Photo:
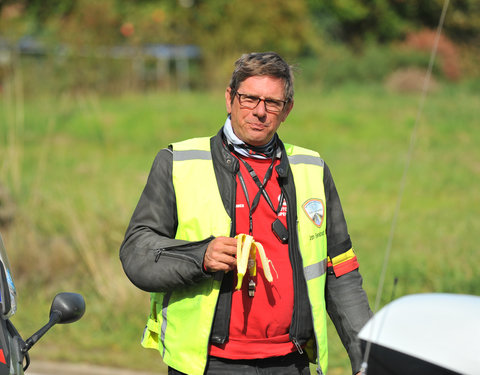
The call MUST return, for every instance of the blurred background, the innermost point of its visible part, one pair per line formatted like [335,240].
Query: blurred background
[91,90]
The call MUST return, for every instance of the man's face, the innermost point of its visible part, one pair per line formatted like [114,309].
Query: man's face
[256,126]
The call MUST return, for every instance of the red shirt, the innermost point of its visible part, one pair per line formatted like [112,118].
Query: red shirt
[259,325]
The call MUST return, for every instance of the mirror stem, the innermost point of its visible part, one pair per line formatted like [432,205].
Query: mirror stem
[54,319]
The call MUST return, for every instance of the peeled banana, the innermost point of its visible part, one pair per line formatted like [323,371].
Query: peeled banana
[246,258]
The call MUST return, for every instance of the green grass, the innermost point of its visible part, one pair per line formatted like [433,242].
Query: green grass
[76,165]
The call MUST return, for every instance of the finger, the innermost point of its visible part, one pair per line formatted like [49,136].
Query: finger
[221,257]
[227,241]
[214,265]
[227,259]
[225,245]
[217,258]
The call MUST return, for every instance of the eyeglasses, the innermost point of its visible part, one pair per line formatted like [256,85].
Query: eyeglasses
[251,102]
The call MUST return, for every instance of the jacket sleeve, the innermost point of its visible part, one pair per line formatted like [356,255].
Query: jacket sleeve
[347,303]
[151,256]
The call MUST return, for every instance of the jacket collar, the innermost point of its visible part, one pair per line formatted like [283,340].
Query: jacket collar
[283,167]
[222,154]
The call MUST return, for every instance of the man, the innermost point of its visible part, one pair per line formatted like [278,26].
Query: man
[181,246]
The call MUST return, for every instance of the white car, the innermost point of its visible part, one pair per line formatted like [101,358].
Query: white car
[424,334]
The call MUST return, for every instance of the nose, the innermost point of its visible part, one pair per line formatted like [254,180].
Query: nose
[260,110]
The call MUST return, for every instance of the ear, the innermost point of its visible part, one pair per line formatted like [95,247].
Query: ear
[286,110]
[228,99]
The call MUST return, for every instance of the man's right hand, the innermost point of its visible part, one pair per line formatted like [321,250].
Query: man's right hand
[220,254]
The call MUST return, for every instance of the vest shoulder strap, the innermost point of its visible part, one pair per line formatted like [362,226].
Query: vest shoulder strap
[201,143]
[301,155]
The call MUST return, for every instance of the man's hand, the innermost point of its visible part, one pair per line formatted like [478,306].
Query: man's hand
[220,254]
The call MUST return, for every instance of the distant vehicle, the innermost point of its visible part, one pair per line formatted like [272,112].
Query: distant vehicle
[14,357]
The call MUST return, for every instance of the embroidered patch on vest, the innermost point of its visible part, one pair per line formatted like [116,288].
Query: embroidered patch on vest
[315,210]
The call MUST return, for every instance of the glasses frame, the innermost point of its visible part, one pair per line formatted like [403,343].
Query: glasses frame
[240,95]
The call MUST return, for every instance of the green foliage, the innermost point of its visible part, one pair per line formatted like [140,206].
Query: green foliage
[91,23]
[222,29]
[462,22]
[345,35]
[172,21]
[337,64]
[355,21]
[226,29]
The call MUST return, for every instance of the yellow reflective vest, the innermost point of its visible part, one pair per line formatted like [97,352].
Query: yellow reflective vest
[180,321]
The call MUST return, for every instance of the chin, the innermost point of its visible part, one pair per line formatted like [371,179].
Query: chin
[258,139]
[257,142]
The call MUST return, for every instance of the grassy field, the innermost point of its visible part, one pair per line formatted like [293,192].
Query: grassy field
[75,166]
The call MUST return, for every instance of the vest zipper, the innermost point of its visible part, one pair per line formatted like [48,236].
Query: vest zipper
[291,218]
[296,269]
[221,335]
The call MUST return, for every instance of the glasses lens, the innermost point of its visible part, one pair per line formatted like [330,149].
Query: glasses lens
[274,105]
[247,101]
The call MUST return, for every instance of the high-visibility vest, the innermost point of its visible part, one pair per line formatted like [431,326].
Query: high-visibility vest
[181,320]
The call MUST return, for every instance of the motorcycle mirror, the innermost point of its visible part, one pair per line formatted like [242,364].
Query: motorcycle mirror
[66,308]
[69,307]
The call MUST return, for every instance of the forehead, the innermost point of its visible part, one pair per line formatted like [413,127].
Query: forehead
[266,86]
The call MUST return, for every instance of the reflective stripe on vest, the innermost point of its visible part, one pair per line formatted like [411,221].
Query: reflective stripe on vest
[180,321]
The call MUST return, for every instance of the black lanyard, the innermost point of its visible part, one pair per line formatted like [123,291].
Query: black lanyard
[261,191]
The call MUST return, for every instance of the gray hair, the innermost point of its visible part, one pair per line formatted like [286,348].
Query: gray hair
[263,64]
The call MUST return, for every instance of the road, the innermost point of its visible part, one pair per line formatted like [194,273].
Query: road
[53,368]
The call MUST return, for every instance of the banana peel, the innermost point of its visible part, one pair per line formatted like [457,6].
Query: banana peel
[265,261]
[246,258]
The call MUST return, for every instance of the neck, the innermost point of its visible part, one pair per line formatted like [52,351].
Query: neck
[267,150]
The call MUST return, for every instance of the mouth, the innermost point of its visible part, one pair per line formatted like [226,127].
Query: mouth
[258,126]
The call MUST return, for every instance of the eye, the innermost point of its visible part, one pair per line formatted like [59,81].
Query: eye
[274,103]
[250,99]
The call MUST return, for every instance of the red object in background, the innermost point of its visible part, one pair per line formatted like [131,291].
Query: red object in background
[127,29]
